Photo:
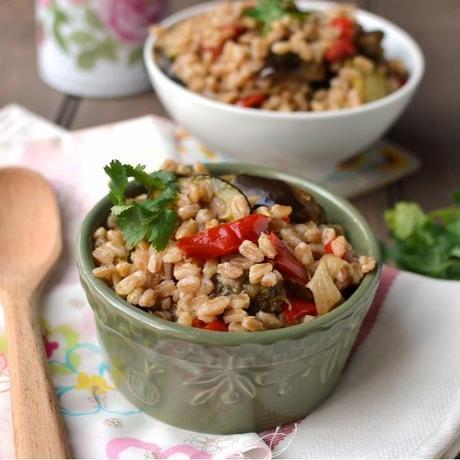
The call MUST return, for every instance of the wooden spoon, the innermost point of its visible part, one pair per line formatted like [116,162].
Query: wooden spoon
[30,244]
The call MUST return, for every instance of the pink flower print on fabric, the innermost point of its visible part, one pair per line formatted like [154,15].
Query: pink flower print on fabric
[50,347]
[117,446]
[128,20]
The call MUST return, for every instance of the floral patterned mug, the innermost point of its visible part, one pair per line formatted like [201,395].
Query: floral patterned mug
[93,48]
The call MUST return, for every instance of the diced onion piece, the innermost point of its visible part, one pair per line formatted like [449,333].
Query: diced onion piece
[325,292]
[334,264]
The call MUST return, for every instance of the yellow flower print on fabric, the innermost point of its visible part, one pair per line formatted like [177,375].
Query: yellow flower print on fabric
[95,384]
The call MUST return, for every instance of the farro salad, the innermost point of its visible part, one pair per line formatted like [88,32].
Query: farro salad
[233,253]
[270,55]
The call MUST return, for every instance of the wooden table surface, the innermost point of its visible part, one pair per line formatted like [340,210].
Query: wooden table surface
[430,127]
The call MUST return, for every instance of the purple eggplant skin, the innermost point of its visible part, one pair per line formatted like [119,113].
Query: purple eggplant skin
[273,191]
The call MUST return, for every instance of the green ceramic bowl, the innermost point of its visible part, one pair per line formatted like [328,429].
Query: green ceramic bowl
[219,382]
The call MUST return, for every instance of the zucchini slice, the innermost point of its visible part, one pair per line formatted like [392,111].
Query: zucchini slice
[224,194]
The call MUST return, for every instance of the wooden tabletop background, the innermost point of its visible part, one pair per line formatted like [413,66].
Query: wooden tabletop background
[430,127]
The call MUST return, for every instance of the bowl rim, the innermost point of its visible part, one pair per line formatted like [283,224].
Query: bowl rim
[368,284]
[413,81]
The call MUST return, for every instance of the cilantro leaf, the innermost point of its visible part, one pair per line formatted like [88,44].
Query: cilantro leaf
[157,180]
[457,197]
[119,209]
[118,181]
[426,243]
[404,219]
[161,228]
[268,11]
[130,224]
[151,218]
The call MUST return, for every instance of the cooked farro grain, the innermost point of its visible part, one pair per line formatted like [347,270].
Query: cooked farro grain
[100,234]
[250,250]
[184,269]
[148,298]
[250,323]
[188,211]
[244,289]
[103,272]
[257,271]
[131,282]
[229,270]
[213,307]
[104,255]
[304,254]
[166,288]
[236,326]
[135,296]
[189,284]
[280,212]
[266,246]
[172,255]
[185,318]
[268,279]
[269,320]
[155,262]
[124,268]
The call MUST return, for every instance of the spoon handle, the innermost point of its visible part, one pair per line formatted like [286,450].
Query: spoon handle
[38,427]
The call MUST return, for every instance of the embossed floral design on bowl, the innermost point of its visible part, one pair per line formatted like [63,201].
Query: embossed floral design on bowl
[229,382]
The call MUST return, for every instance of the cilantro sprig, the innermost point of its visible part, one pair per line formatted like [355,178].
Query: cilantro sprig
[426,243]
[268,11]
[151,219]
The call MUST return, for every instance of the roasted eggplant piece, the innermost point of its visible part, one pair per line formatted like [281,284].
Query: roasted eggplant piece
[267,299]
[297,291]
[268,192]
[288,66]
[370,44]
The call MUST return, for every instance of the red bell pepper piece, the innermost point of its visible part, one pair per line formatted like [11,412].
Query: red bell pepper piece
[340,50]
[344,47]
[223,239]
[216,325]
[198,323]
[346,27]
[328,248]
[255,100]
[286,262]
[297,310]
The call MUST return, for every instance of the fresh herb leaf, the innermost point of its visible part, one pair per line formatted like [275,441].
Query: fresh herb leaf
[156,180]
[457,197]
[130,224]
[404,219]
[426,243]
[118,181]
[162,226]
[268,11]
[151,218]
[119,209]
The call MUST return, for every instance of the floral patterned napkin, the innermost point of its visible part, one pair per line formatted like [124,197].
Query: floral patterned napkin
[102,424]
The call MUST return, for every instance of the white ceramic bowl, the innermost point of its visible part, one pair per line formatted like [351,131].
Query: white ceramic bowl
[309,142]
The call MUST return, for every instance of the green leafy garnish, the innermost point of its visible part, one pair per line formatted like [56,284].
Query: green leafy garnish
[426,243]
[150,219]
[268,11]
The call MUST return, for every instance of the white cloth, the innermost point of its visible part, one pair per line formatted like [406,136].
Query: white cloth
[400,396]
